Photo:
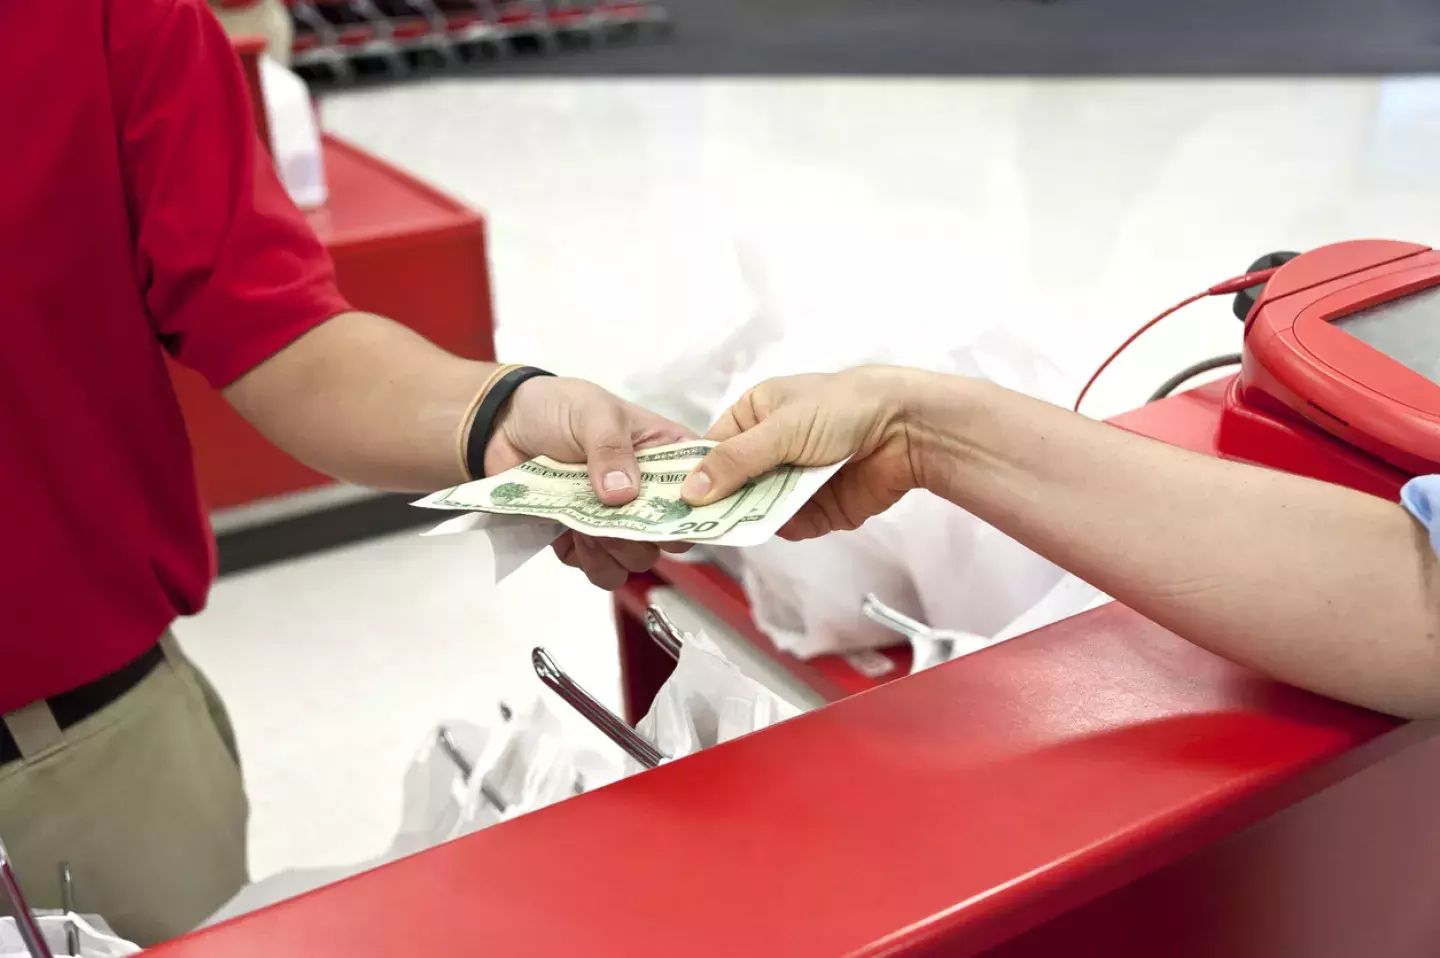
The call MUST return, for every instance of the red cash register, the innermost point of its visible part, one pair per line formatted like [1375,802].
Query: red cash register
[1344,341]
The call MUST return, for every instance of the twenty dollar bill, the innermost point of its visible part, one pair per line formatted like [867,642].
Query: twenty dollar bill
[561,492]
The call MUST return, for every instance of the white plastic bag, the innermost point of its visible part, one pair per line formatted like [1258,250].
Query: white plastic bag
[706,701]
[502,544]
[929,647]
[690,385]
[927,557]
[94,943]
[1070,596]
[690,617]
[806,595]
[933,646]
[439,802]
[969,576]
[669,314]
[436,808]
[535,765]
[515,767]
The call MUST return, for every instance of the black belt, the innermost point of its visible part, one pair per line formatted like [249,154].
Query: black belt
[77,704]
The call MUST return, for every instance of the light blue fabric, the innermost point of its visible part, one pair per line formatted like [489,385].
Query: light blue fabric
[1421,496]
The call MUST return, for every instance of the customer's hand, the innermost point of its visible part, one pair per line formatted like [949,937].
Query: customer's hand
[571,420]
[817,420]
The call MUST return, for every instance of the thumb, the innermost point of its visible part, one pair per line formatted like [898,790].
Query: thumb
[604,435]
[736,461]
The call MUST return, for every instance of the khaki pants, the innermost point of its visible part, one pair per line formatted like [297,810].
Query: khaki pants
[263,18]
[143,799]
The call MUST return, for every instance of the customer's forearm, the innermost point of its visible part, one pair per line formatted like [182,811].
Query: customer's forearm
[1316,584]
[387,414]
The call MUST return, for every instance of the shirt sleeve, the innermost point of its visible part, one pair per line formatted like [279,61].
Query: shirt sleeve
[230,271]
[1421,498]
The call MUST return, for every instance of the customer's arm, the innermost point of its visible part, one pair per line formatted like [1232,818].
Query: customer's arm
[1319,585]
[1314,583]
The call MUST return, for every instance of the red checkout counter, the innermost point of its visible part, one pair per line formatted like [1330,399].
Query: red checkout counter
[1100,787]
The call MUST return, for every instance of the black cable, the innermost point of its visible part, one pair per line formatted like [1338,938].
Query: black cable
[1191,371]
[1245,299]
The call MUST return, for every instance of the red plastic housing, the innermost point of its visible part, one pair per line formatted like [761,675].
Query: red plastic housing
[1300,369]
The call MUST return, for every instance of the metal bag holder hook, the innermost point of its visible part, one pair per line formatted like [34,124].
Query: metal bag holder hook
[67,902]
[25,921]
[893,619]
[913,629]
[659,627]
[595,713]
[446,741]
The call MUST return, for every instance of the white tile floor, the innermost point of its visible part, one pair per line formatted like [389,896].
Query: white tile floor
[620,213]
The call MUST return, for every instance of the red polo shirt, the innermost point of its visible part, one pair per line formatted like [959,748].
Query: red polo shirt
[139,215]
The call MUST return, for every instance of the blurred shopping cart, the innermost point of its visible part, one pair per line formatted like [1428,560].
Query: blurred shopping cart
[340,40]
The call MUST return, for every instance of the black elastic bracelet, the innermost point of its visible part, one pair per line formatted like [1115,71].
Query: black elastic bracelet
[482,426]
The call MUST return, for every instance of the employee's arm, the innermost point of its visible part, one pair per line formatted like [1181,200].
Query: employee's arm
[363,398]
[240,289]
[1315,584]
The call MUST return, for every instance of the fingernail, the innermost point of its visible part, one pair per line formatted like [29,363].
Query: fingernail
[696,486]
[616,481]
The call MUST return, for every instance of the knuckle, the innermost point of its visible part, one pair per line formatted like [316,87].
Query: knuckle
[607,575]
[725,464]
[722,456]
[641,558]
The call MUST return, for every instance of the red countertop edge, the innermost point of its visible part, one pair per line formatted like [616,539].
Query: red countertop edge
[991,919]
[968,926]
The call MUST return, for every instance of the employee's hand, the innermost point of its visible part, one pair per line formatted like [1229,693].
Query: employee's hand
[572,420]
[817,420]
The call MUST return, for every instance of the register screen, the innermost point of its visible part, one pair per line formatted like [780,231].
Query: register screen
[1405,329]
